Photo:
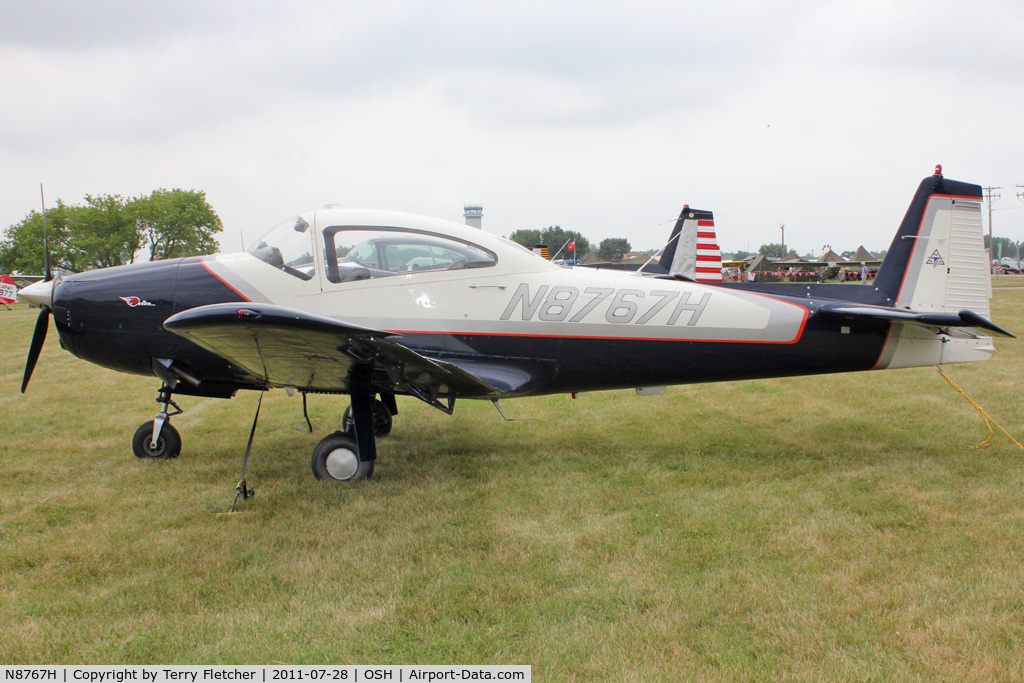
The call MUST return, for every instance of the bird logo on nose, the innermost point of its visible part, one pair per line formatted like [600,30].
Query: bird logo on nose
[134,301]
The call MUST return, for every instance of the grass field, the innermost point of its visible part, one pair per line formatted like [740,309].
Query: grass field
[837,528]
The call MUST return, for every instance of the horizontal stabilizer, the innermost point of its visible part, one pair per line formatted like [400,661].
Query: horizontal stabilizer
[880,313]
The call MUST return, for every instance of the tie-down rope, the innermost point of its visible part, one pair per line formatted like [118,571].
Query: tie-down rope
[985,416]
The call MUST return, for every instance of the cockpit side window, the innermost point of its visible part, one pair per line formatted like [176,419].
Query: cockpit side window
[361,253]
[289,248]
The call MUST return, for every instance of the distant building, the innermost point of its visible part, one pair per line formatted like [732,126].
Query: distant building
[474,214]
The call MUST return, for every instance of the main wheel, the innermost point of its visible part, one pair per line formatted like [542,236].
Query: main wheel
[336,458]
[382,420]
[167,446]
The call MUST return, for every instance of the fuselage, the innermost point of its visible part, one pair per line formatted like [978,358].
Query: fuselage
[456,293]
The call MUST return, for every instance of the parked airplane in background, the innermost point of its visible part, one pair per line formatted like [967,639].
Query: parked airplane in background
[8,290]
[691,251]
[376,304]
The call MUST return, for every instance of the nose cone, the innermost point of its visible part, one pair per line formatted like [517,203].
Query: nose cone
[38,293]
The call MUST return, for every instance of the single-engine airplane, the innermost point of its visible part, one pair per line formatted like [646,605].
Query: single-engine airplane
[376,304]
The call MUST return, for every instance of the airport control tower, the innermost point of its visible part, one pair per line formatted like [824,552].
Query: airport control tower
[474,214]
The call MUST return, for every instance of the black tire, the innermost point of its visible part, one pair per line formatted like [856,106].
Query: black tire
[167,446]
[336,458]
[382,420]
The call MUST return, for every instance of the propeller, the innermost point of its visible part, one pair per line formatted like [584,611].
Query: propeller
[38,337]
[40,294]
[36,294]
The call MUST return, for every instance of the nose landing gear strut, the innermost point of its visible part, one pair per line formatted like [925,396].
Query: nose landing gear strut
[157,438]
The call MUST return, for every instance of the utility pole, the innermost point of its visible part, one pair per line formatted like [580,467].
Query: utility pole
[990,196]
[782,227]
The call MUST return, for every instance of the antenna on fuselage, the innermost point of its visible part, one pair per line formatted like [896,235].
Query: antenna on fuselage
[675,236]
[46,242]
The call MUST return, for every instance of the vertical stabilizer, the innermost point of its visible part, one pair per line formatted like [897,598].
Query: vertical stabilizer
[693,248]
[937,261]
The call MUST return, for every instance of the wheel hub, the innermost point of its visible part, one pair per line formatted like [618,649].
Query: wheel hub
[155,452]
[342,463]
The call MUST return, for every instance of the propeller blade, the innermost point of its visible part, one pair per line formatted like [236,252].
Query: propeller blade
[38,337]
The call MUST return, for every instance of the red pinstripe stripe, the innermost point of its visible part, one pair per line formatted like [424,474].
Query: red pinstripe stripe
[226,284]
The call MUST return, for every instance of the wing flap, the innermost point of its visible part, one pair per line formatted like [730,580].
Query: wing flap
[286,347]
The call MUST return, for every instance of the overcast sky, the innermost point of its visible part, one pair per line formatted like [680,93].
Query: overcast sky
[602,117]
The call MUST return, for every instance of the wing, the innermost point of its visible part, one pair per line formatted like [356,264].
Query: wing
[846,311]
[286,347]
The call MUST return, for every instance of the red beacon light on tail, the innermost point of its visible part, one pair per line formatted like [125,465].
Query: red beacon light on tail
[938,169]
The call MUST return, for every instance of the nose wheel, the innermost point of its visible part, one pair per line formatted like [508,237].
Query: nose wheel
[157,439]
[168,443]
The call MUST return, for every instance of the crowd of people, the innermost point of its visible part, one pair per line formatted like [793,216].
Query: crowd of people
[862,274]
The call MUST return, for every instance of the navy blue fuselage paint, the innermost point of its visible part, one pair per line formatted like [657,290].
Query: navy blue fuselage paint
[114,317]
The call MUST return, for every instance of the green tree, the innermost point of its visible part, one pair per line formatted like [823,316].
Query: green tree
[736,255]
[527,237]
[774,250]
[613,248]
[22,247]
[111,231]
[555,238]
[104,233]
[174,223]
[1004,246]
[559,239]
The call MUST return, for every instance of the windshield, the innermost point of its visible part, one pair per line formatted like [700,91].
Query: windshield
[288,247]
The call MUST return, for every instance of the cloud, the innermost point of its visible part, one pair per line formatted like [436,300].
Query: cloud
[603,118]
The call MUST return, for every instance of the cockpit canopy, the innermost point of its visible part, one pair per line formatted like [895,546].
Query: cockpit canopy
[353,252]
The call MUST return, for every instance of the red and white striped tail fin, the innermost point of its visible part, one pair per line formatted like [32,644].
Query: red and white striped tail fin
[709,256]
[693,249]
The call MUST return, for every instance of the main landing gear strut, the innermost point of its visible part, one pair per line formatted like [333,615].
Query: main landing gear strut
[349,455]
[346,456]
[157,438]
